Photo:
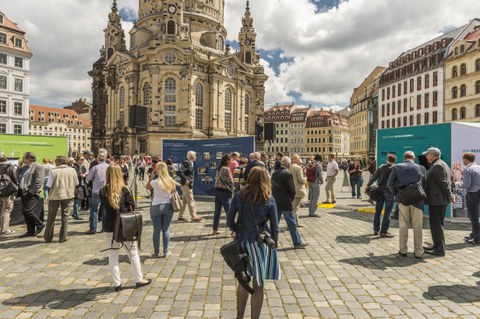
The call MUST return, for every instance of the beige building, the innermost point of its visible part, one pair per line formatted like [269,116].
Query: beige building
[462,79]
[279,115]
[82,107]
[180,68]
[296,130]
[52,121]
[363,116]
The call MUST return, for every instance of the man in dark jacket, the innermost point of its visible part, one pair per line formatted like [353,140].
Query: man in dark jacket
[253,163]
[7,201]
[381,176]
[403,175]
[439,194]
[283,190]
[187,175]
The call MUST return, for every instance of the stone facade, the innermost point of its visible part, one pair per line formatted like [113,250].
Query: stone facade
[179,67]
[280,116]
[14,78]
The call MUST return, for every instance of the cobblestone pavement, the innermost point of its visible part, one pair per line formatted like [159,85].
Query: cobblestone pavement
[346,272]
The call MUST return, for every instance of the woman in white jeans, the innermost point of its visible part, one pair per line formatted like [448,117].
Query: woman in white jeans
[161,211]
[116,197]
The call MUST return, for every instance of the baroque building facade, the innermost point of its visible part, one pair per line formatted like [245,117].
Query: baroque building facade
[180,68]
[279,115]
[14,78]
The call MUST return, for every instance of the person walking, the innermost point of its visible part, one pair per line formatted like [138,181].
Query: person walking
[299,182]
[380,177]
[9,177]
[141,168]
[62,181]
[161,211]
[403,175]
[187,176]
[283,190]
[471,183]
[255,206]
[239,175]
[96,175]
[31,181]
[356,179]
[80,190]
[439,193]
[116,198]
[332,172]
[223,191]
[315,179]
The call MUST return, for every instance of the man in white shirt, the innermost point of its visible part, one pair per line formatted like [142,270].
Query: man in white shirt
[332,171]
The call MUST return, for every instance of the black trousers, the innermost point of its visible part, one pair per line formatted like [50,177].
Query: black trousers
[473,207]
[436,215]
[32,209]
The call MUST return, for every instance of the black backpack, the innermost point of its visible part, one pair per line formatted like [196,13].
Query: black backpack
[7,187]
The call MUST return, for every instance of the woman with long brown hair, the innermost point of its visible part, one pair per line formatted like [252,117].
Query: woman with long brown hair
[116,198]
[255,207]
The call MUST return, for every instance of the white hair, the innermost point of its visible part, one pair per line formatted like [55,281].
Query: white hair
[191,154]
[257,155]
[285,161]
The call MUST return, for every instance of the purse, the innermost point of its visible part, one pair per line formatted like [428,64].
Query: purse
[412,194]
[127,227]
[375,193]
[177,203]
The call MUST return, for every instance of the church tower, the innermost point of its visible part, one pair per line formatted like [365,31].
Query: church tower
[246,38]
[114,35]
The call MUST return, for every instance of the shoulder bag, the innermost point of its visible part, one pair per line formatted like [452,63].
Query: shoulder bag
[128,226]
[177,203]
[375,193]
[412,194]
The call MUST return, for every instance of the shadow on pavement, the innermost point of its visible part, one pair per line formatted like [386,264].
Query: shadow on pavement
[194,238]
[382,262]
[58,299]
[18,243]
[360,239]
[455,293]
[104,261]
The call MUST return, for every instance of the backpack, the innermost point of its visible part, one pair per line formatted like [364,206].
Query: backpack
[311,173]
[7,187]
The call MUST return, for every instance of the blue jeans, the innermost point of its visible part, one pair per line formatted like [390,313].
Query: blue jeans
[356,183]
[76,207]
[161,216]
[94,203]
[222,199]
[388,201]
[292,226]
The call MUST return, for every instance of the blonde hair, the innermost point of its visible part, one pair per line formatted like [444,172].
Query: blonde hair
[165,181]
[115,184]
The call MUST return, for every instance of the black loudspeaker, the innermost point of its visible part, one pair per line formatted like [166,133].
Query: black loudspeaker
[137,116]
[270,132]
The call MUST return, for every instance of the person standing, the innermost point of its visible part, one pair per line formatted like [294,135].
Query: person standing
[141,168]
[116,198]
[315,179]
[299,182]
[9,173]
[471,183]
[31,179]
[255,161]
[125,171]
[255,207]
[403,175]
[355,171]
[233,163]
[187,176]
[62,181]
[223,191]
[161,211]
[278,161]
[283,190]
[439,193]
[80,190]
[96,175]
[239,175]
[332,172]
[381,176]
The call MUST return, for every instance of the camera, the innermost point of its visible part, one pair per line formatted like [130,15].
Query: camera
[245,277]
[265,238]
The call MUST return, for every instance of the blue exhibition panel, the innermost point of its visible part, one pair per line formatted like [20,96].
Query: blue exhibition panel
[209,152]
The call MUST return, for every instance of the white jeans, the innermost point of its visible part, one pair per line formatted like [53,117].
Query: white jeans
[132,252]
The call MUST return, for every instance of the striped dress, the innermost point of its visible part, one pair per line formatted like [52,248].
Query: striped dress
[262,262]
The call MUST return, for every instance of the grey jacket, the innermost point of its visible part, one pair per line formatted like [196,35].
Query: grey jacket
[33,179]
[438,184]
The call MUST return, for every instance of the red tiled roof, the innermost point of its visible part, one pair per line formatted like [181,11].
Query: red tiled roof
[13,31]
[49,113]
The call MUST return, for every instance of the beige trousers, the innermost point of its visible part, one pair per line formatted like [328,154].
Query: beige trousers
[187,200]
[7,207]
[296,205]
[414,216]
[329,188]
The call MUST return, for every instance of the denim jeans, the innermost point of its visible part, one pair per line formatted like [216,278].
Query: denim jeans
[161,216]
[292,226]
[94,203]
[222,199]
[76,207]
[314,194]
[356,183]
[388,201]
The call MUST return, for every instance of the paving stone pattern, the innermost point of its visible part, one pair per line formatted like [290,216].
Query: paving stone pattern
[346,272]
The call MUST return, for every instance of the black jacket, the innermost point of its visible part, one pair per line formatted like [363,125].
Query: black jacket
[381,176]
[438,184]
[126,204]
[251,165]
[185,172]
[283,189]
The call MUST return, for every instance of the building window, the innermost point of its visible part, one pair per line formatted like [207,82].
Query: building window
[17,129]
[3,128]
[3,38]
[122,98]
[463,69]
[220,43]
[170,57]
[388,93]
[405,105]
[3,82]
[18,43]
[146,94]
[393,108]
[3,58]
[18,85]
[463,113]
[427,81]
[435,98]
[18,62]
[199,119]
[399,105]
[477,87]
[412,82]
[383,110]
[399,89]
[419,83]
[170,117]
[383,94]
[477,63]
[405,88]
[454,72]
[247,112]
[248,57]
[393,91]
[17,108]
[463,90]
[427,118]
[419,119]
[228,110]
[388,109]
[405,121]
[411,120]
[170,27]
[3,107]
[170,90]
[462,48]
[427,100]
[454,92]
[454,115]
[199,95]
[419,102]
[434,117]
[477,110]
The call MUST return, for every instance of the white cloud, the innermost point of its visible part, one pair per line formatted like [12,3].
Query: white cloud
[332,52]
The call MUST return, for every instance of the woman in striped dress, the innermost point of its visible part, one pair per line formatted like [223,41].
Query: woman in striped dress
[255,207]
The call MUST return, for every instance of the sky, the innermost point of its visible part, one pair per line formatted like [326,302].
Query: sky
[314,51]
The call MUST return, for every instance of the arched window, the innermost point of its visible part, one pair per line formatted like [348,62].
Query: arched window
[228,110]
[454,114]
[454,72]
[170,27]
[477,64]
[477,110]
[247,112]
[463,69]
[463,113]
[146,94]
[122,98]
[199,95]
[454,92]
[477,87]
[456,51]
[199,106]
[220,43]
[170,90]
[463,90]
[248,57]
[109,53]
[462,48]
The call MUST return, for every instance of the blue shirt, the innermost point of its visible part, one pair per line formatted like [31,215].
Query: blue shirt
[471,178]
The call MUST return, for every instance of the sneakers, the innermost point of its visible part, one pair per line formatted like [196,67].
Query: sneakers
[303,245]
[8,232]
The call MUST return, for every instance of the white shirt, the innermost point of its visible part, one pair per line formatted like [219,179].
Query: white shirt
[332,168]
[159,195]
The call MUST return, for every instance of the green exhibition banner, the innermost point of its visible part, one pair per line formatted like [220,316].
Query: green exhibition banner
[14,146]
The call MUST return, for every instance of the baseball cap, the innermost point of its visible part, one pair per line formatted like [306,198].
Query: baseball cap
[87,152]
[433,150]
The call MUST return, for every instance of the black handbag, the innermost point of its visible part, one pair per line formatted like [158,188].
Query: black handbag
[375,193]
[127,226]
[412,194]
